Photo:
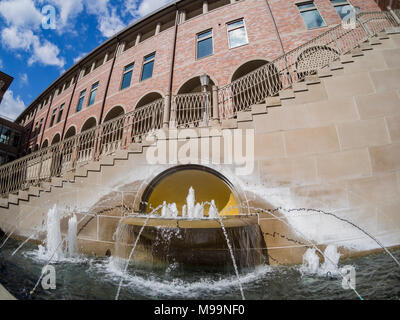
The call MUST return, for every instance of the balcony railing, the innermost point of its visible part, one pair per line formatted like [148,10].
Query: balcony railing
[193,109]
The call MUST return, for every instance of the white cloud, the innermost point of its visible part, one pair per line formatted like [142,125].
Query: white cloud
[145,7]
[78,58]
[24,78]
[21,13]
[16,38]
[46,54]
[110,23]
[11,107]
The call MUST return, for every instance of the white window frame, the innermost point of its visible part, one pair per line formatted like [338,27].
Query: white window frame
[199,40]
[235,28]
[300,3]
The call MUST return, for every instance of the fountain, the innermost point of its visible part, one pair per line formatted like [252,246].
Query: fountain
[194,236]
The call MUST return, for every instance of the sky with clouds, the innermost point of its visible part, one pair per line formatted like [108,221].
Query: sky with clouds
[36,55]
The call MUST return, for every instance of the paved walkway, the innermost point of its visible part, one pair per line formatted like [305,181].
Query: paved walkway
[5,295]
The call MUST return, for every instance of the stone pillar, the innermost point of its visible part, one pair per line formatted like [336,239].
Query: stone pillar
[173,122]
[205,6]
[158,28]
[93,66]
[167,110]
[233,1]
[215,115]
[106,58]
[138,37]
[183,16]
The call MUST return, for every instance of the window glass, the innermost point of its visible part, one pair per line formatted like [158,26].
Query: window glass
[80,102]
[204,44]
[53,116]
[237,34]
[148,66]
[60,113]
[311,16]
[127,77]
[93,93]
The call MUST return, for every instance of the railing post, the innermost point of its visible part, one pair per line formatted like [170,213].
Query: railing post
[167,108]
[173,122]
[97,144]
[215,113]
[394,15]
[40,169]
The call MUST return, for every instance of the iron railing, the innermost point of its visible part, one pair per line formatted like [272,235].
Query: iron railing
[192,109]
[295,65]
[58,159]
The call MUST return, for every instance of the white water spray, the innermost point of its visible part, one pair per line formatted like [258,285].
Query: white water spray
[72,235]
[53,239]
[311,263]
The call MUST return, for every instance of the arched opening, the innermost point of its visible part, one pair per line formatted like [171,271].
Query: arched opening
[56,139]
[251,83]
[148,115]
[313,59]
[112,130]
[68,149]
[86,140]
[45,144]
[172,186]
[193,105]
[36,148]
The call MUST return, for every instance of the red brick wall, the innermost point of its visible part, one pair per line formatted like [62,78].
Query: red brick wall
[263,44]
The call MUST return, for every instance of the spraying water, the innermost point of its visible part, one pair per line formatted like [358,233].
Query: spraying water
[72,235]
[53,238]
[310,262]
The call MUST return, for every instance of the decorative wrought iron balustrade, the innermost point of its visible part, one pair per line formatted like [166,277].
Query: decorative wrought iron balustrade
[192,109]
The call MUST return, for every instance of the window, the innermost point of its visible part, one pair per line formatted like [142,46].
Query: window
[204,44]
[342,7]
[127,77]
[80,102]
[93,93]
[40,125]
[53,117]
[311,16]
[148,66]
[237,34]
[60,113]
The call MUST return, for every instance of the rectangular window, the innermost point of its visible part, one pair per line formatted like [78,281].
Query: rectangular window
[93,93]
[80,102]
[237,34]
[205,44]
[40,125]
[60,112]
[310,14]
[127,77]
[53,117]
[342,7]
[148,66]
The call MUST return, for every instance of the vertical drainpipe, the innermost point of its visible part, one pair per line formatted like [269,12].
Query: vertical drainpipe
[70,102]
[278,36]
[45,121]
[108,81]
[168,98]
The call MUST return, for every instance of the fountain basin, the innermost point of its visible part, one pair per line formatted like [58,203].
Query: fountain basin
[192,242]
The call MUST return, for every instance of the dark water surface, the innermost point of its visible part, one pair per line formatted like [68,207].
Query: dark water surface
[378,277]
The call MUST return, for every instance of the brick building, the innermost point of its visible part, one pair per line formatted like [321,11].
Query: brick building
[164,53]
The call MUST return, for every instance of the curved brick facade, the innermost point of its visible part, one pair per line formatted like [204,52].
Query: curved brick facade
[172,68]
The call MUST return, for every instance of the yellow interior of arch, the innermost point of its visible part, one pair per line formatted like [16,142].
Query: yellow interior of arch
[175,187]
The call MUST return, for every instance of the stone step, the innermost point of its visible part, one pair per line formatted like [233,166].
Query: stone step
[374,41]
[81,172]
[336,65]
[94,166]
[23,195]
[356,52]
[13,199]
[299,87]
[135,148]
[273,102]
[365,46]
[244,116]
[324,73]
[121,155]
[45,186]
[3,203]
[287,94]
[312,79]
[258,109]
[107,161]
[34,191]
[229,124]
[57,182]
[383,35]
[347,58]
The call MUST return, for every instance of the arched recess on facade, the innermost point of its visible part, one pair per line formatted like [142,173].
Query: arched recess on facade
[112,129]
[251,83]
[148,114]
[70,132]
[68,148]
[56,139]
[45,144]
[87,139]
[193,105]
[312,59]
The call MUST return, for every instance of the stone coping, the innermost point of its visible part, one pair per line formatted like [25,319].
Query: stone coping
[229,222]
[5,295]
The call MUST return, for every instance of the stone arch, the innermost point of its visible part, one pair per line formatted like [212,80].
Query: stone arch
[56,139]
[113,113]
[70,132]
[89,124]
[251,83]
[45,144]
[148,98]
[193,107]
[312,59]
[208,182]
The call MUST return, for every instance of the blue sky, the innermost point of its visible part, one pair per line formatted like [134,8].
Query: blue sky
[36,56]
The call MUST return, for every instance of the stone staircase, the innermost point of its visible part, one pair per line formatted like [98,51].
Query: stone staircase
[245,119]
